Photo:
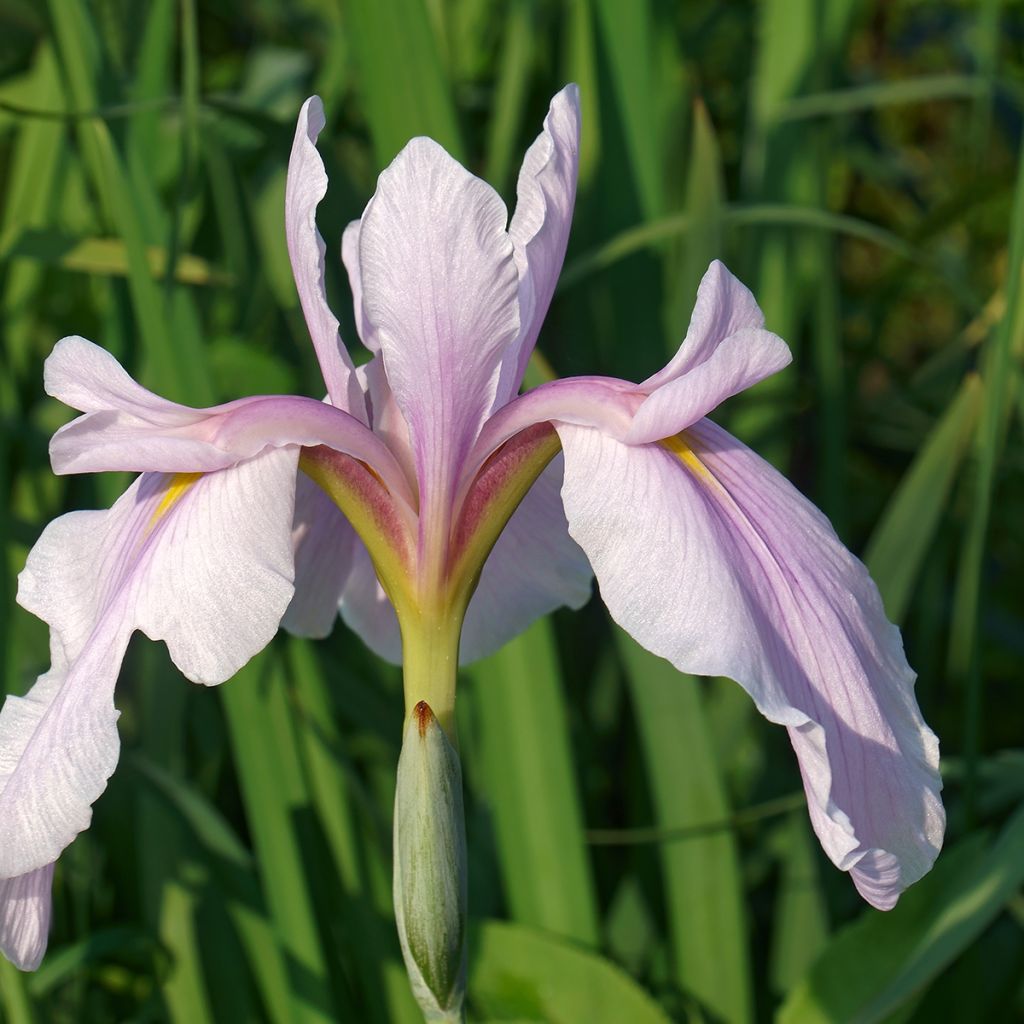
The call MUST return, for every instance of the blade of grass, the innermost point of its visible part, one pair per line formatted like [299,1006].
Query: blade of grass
[13,995]
[106,256]
[510,92]
[901,540]
[580,60]
[169,905]
[882,961]
[627,38]
[403,86]
[800,923]
[705,202]
[998,379]
[782,215]
[385,992]
[523,974]
[704,889]
[852,99]
[274,792]
[233,867]
[530,788]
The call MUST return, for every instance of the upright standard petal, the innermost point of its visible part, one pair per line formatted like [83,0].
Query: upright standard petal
[25,910]
[439,290]
[350,257]
[710,558]
[202,562]
[546,194]
[305,188]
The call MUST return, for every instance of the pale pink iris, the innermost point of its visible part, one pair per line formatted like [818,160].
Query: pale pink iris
[703,552]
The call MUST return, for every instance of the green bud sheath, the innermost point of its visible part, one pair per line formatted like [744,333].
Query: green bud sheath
[430,866]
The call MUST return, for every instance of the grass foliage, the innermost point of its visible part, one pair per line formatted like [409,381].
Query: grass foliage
[636,851]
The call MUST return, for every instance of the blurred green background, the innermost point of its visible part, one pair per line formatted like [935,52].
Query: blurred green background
[639,850]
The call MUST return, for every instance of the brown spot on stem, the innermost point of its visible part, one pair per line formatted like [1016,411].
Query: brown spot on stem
[423,716]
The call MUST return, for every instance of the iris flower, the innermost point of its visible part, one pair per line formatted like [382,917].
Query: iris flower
[442,512]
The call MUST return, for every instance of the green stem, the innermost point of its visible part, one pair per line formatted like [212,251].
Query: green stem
[430,661]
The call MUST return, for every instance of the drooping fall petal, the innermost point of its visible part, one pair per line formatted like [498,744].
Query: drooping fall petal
[26,906]
[711,559]
[201,562]
[305,187]
[440,293]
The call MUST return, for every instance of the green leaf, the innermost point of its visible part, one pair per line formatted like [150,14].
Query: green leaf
[704,900]
[901,540]
[403,85]
[103,256]
[627,36]
[517,973]
[14,998]
[876,965]
[530,786]
[274,792]
[925,89]
[511,92]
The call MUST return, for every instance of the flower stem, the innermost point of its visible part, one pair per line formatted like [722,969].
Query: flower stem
[430,658]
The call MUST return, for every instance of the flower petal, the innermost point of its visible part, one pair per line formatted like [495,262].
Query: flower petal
[534,568]
[439,290]
[324,542]
[740,361]
[368,612]
[350,257]
[306,185]
[58,747]
[710,558]
[724,305]
[129,428]
[202,563]
[88,378]
[25,910]
[546,194]
[606,403]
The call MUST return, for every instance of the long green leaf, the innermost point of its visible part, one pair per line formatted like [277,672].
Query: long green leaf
[403,85]
[901,540]
[704,889]
[999,380]
[274,791]
[531,789]
[876,965]
[517,972]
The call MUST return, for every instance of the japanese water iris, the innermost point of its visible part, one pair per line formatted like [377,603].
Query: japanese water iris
[442,512]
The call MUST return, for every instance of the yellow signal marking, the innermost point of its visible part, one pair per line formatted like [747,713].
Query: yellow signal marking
[176,489]
[686,455]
